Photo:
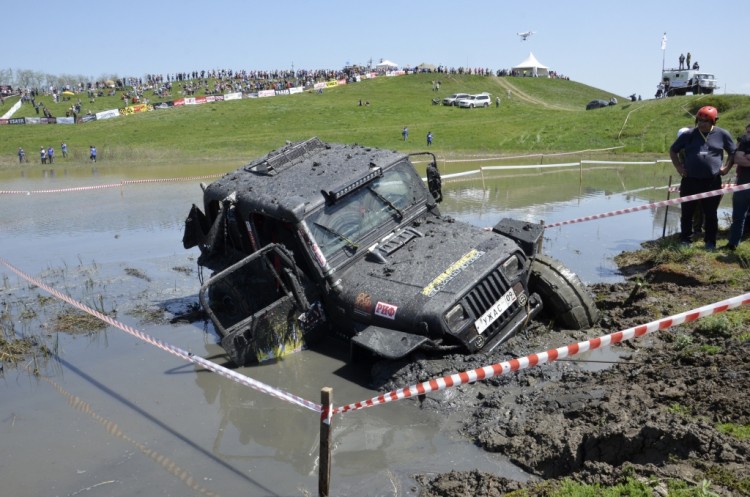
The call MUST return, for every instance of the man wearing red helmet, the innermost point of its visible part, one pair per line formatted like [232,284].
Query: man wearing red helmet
[701,171]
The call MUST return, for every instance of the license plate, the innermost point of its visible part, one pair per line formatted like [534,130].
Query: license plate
[494,312]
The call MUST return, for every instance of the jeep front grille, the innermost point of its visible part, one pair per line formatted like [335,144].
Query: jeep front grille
[484,295]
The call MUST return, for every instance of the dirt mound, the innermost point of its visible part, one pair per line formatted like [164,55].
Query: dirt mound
[668,410]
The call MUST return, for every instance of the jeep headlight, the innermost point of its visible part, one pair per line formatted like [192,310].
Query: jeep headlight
[455,316]
[512,267]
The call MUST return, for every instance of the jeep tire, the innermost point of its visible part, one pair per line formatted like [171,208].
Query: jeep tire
[564,296]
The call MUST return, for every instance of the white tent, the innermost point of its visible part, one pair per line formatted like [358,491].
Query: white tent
[386,65]
[532,67]
[426,67]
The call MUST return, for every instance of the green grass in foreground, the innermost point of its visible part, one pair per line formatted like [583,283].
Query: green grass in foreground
[543,116]
[630,488]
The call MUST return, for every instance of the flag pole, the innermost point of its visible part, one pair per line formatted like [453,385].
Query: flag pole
[663,49]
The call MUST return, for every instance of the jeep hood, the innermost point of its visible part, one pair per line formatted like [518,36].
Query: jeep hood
[426,273]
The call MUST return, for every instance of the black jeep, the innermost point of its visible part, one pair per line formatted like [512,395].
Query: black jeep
[318,238]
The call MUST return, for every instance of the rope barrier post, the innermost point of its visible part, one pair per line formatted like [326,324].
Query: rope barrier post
[666,210]
[541,239]
[580,173]
[324,475]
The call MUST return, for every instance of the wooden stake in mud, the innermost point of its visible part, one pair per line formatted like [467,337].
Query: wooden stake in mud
[324,476]
[666,210]
[541,239]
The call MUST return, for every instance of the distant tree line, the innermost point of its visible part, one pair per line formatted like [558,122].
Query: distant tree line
[26,78]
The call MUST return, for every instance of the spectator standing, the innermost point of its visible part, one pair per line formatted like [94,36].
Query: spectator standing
[405,133]
[64,149]
[740,200]
[21,155]
[50,155]
[497,101]
[701,170]
[687,61]
[43,155]
[682,61]
[698,216]
[92,153]
[429,138]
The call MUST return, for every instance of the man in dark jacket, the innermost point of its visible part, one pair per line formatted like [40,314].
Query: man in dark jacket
[701,171]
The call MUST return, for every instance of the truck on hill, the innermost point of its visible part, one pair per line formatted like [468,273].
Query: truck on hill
[684,81]
[319,239]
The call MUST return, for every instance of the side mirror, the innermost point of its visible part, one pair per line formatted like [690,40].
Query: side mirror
[434,182]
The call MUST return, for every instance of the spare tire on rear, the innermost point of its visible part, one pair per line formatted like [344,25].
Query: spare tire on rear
[564,296]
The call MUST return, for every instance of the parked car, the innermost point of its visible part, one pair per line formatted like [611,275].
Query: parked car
[596,104]
[451,100]
[481,100]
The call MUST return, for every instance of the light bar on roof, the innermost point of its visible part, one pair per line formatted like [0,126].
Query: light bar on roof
[333,196]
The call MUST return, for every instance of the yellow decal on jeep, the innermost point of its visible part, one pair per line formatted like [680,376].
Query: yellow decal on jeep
[439,283]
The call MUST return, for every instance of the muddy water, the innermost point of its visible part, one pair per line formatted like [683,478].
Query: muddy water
[111,415]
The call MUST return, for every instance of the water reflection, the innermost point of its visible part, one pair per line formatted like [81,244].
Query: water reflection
[588,248]
[248,419]
[139,214]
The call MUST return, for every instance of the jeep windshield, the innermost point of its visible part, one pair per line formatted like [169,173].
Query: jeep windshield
[367,213]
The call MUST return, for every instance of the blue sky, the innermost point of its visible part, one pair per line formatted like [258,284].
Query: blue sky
[612,46]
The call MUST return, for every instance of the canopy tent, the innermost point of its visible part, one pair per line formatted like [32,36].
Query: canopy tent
[386,65]
[532,67]
[426,67]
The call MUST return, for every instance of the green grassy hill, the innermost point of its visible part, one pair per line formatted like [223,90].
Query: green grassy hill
[542,116]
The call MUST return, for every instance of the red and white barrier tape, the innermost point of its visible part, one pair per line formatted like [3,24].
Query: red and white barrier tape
[112,185]
[62,190]
[551,355]
[532,166]
[676,188]
[167,180]
[527,166]
[327,414]
[183,354]
[652,205]
[433,385]
[620,162]
[559,154]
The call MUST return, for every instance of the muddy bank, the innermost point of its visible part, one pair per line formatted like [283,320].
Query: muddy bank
[673,412]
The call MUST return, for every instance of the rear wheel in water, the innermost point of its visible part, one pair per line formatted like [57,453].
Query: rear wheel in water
[565,297]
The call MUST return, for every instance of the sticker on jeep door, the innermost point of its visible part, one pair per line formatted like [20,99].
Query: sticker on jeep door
[386,310]
[494,312]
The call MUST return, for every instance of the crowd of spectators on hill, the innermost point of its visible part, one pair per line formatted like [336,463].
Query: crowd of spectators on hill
[218,81]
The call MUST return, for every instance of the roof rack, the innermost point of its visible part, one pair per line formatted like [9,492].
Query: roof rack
[285,158]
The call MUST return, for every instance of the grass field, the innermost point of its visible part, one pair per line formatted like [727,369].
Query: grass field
[542,116]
